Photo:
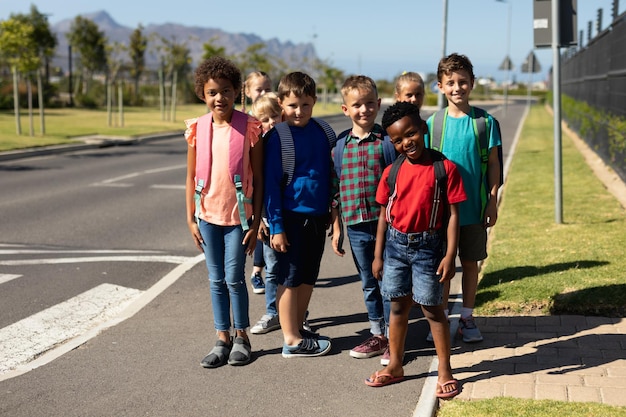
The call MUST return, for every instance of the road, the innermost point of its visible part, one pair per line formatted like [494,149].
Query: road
[103,293]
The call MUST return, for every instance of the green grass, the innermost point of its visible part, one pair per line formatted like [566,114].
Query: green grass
[65,125]
[511,407]
[537,266]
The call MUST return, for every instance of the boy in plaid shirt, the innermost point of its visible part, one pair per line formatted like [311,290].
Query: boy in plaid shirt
[360,159]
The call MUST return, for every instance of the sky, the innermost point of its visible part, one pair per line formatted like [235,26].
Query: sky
[380,39]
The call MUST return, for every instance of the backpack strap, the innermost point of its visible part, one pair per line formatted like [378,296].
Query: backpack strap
[440,193]
[338,151]
[204,158]
[441,188]
[288,150]
[389,151]
[391,182]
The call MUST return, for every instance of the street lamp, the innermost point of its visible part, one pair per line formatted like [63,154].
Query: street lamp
[443,46]
[507,61]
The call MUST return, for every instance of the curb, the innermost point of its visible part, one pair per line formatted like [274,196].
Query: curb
[85,143]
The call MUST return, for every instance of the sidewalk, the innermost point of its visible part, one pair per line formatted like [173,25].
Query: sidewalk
[564,358]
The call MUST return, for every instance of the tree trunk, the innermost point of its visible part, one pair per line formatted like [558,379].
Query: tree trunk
[174,84]
[42,118]
[162,93]
[109,104]
[29,89]
[120,98]
[16,102]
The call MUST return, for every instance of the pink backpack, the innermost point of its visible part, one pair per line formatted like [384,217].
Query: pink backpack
[204,129]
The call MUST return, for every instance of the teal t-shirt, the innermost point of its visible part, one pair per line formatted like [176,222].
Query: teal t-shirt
[460,145]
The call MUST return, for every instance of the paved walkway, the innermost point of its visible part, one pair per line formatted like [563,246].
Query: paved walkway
[565,358]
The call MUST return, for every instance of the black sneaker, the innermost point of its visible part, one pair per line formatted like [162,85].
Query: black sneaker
[307,347]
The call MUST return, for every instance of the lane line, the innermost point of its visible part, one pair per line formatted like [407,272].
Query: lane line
[55,251]
[168,187]
[166,258]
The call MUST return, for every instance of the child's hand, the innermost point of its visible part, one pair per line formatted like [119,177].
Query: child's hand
[264,233]
[491,213]
[337,243]
[377,268]
[279,242]
[195,234]
[446,269]
[249,240]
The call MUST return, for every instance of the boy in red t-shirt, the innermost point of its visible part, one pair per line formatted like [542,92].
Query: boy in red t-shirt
[419,252]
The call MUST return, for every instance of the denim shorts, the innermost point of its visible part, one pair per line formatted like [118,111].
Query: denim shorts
[411,262]
[306,236]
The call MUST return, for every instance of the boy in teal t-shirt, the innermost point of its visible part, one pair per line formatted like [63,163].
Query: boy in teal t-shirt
[460,144]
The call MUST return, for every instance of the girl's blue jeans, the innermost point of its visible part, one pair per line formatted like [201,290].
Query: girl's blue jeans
[225,260]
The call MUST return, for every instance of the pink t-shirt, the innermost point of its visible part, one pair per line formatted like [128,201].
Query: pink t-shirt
[219,199]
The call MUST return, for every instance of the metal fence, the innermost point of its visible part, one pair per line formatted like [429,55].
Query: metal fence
[596,75]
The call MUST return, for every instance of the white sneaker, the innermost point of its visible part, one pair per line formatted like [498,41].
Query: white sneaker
[266,324]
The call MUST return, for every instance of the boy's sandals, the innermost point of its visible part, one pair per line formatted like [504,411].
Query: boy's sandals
[241,353]
[446,395]
[382,378]
[218,356]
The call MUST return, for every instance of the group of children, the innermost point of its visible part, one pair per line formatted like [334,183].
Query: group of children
[281,176]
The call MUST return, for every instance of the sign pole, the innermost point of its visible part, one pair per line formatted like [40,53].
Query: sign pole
[556,92]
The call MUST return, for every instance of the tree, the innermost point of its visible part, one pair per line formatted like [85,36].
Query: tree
[19,50]
[90,43]
[46,43]
[137,51]
[116,54]
[211,50]
[176,62]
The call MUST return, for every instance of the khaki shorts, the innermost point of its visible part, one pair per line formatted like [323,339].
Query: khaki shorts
[473,243]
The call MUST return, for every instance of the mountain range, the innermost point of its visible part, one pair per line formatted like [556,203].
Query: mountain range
[194,37]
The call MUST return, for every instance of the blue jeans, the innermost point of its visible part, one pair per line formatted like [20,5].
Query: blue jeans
[271,273]
[362,243]
[225,259]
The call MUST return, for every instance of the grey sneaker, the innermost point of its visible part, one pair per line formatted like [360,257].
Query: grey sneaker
[469,330]
[265,325]
[307,347]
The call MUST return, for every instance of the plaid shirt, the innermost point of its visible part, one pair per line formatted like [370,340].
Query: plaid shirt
[362,166]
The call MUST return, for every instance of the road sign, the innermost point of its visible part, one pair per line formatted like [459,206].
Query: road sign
[531,64]
[507,64]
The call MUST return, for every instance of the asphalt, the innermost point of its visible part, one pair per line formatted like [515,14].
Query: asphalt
[566,358]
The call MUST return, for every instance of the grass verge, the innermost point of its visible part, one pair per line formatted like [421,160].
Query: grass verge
[67,124]
[537,266]
[512,407]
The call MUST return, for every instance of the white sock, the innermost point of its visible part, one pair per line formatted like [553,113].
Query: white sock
[466,312]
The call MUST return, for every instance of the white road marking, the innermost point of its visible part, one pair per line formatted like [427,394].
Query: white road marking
[156,258]
[26,339]
[7,277]
[114,182]
[55,251]
[126,309]
[168,187]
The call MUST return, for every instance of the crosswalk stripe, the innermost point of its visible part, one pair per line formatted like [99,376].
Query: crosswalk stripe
[28,338]
[7,277]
